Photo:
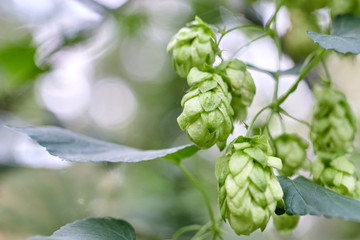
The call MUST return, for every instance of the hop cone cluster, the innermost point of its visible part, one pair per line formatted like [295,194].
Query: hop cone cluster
[285,223]
[248,188]
[193,46]
[291,149]
[207,113]
[242,86]
[336,172]
[333,125]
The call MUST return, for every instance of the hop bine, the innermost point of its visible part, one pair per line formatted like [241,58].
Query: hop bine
[193,46]
[241,84]
[333,125]
[291,149]
[207,114]
[248,189]
[336,172]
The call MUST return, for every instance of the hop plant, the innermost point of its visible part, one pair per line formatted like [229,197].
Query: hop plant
[241,84]
[333,125]
[207,113]
[285,223]
[291,149]
[193,46]
[248,188]
[336,172]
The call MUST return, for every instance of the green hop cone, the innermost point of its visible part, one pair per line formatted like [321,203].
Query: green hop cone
[242,86]
[248,188]
[193,46]
[291,149]
[336,172]
[285,223]
[207,114]
[333,125]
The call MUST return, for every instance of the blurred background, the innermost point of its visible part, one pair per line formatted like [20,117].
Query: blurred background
[100,68]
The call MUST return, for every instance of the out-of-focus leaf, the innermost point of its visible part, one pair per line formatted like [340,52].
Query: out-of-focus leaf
[17,64]
[37,201]
[302,197]
[209,10]
[132,23]
[93,229]
[345,37]
[78,148]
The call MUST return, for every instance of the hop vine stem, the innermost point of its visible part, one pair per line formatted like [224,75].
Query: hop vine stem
[250,27]
[302,74]
[282,111]
[205,196]
[185,229]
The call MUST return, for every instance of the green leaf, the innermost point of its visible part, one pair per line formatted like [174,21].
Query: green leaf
[17,64]
[93,229]
[302,197]
[345,37]
[74,147]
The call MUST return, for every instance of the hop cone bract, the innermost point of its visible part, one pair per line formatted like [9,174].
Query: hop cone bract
[248,188]
[291,149]
[336,172]
[285,223]
[193,46]
[333,125]
[242,86]
[207,114]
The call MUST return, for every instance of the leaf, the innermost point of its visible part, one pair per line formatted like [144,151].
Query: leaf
[345,37]
[93,229]
[17,63]
[74,147]
[302,197]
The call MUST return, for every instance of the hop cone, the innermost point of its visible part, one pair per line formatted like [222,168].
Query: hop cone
[333,125]
[336,172]
[193,46]
[241,85]
[207,114]
[285,223]
[290,148]
[248,188]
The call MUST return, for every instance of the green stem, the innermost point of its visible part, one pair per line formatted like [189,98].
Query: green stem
[272,74]
[254,119]
[203,230]
[301,76]
[329,80]
[281,120]
[267,128]
[185,229]
[282,111]
[203,193]
[247,44]
[273,17]
[253,27]
[277,75]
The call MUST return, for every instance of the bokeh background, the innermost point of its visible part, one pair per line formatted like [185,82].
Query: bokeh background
[100,68]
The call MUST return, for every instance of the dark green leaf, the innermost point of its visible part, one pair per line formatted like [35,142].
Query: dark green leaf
[79,148]
[302,197]
[93,229]
[345,37]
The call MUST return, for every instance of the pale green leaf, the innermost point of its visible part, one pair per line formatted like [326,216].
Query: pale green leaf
[74,147]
